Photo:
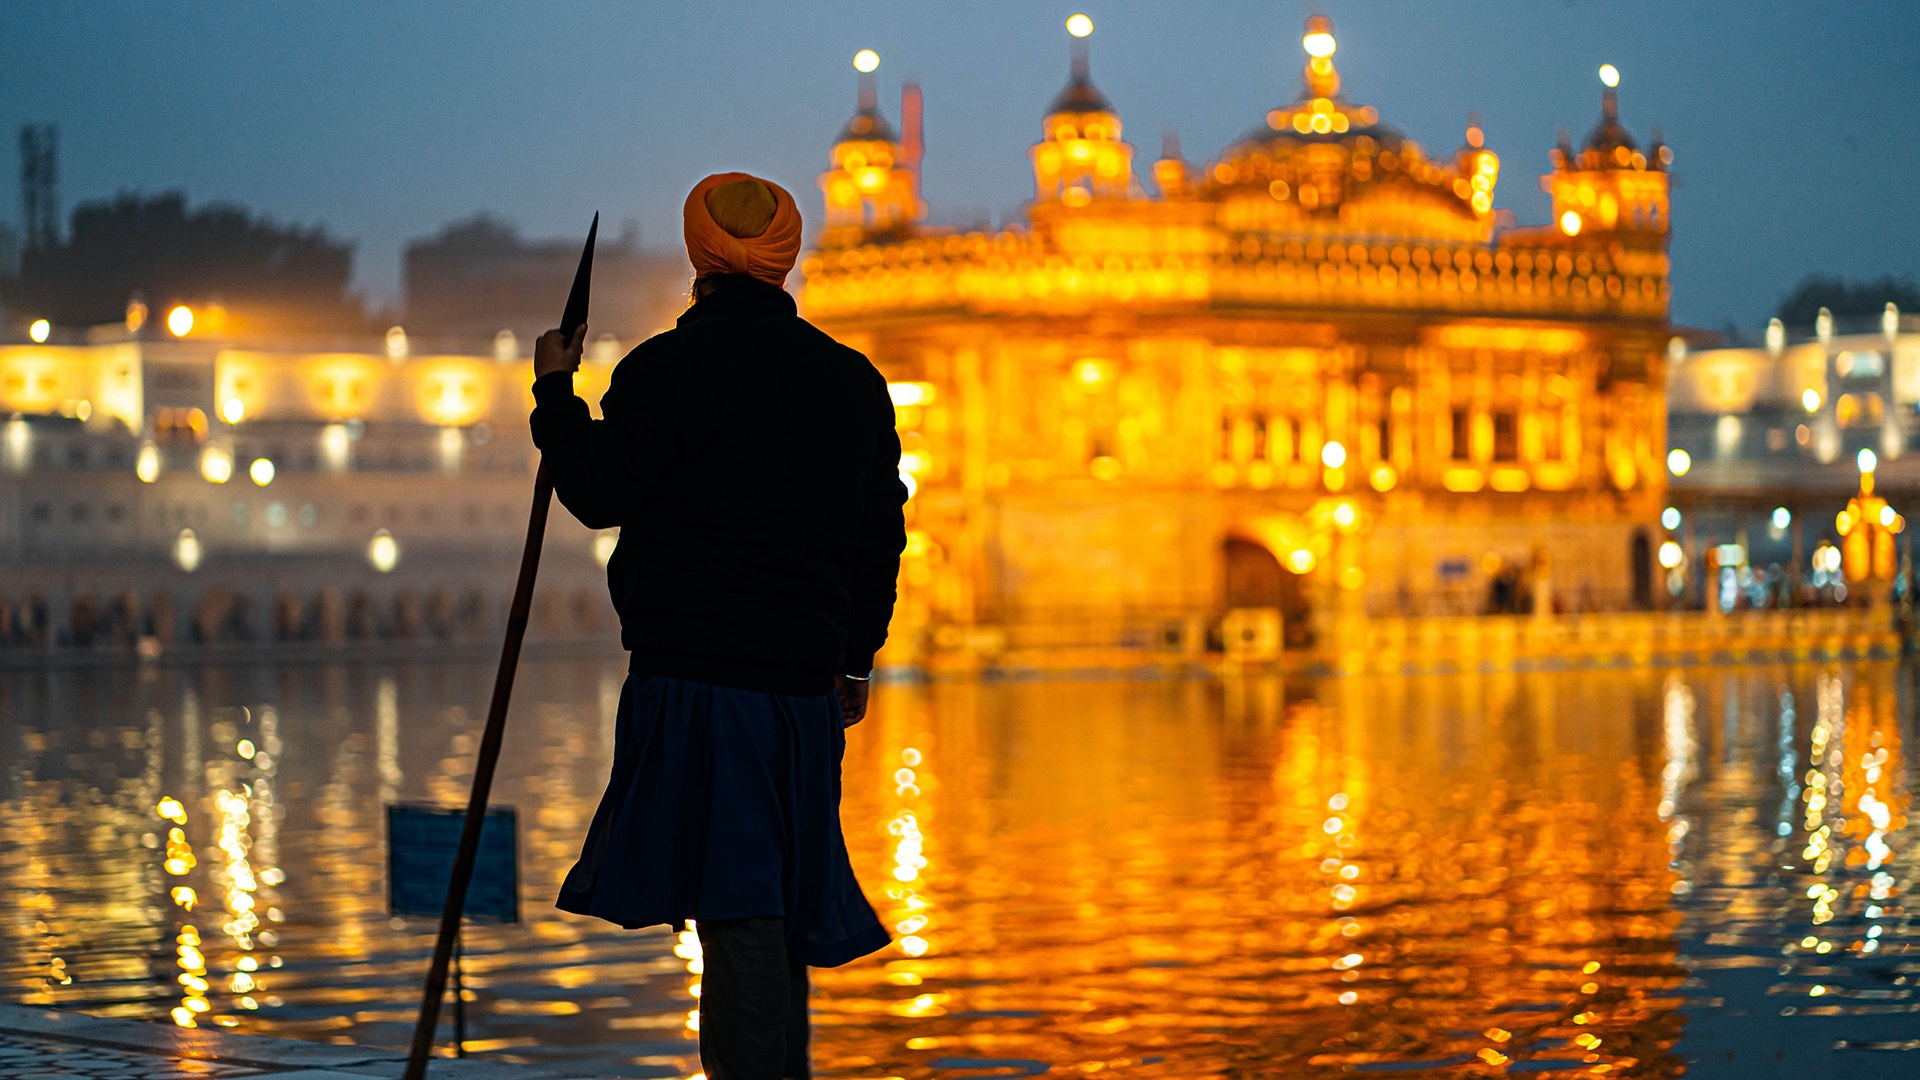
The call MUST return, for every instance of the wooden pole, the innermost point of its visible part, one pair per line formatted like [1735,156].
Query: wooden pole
[571,321]
[483,770]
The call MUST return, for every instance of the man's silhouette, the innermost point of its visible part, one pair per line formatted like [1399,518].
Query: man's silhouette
[751,464]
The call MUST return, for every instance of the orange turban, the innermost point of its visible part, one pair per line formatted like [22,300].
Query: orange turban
[713,250]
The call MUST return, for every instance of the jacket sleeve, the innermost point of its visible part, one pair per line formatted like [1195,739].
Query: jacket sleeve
[881,534]
[599,468]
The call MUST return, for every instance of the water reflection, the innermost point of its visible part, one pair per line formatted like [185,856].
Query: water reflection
[1630,873]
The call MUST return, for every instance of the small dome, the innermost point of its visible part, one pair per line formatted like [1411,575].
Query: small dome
[867,125]
[1609,133]
[1319,114]
[1385,135]
[1080,96]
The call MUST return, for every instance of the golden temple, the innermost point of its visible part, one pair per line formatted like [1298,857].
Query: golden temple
[1320,376]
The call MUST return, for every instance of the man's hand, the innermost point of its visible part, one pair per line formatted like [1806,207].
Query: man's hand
[552,352]
[853,698]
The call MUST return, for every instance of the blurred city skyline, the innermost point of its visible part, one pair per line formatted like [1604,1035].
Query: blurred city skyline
[1793,150]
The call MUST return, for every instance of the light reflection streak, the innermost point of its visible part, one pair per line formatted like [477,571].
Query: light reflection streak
[910,912]
[178,860]
[386,738]
[687,947]
[1788,769]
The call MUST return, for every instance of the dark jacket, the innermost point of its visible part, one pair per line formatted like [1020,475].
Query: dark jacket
[751,464]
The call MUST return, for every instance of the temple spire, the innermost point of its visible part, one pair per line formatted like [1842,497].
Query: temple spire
[871,187]
[1080,157]
[1319,74]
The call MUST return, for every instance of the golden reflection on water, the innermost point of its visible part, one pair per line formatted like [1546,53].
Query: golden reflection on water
[1258,878]
[1630,873]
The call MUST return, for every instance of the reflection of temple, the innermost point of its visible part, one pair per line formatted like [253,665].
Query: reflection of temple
[1314,373]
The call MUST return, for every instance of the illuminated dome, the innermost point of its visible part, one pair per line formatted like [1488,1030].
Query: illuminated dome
[1080,95]
[1081,157]
[1610,145]
[1324,163]
[870,187]
[1610,185]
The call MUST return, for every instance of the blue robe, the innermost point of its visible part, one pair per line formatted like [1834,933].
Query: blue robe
[725,804]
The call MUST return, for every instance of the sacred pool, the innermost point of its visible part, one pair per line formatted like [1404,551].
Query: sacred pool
[1631,872]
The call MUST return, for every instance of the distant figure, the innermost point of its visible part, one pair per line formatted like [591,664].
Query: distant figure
[751,464]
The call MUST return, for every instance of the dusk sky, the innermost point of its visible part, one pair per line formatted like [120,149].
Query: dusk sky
[1796,126]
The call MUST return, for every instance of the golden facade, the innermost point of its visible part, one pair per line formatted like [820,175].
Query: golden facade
[1318,374]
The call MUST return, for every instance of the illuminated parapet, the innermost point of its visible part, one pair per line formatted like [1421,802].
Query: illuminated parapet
[870,187]
[83,382]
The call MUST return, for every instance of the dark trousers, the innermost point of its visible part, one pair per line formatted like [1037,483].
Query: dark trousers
[753,1002]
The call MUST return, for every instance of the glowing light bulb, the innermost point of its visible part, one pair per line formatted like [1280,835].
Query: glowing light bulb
[1810,400]
[180,320]
[1609,75]
[39,330]
[1679,461]
[1079,25]
[383,551]
[147,465]
[261,471]
[1671,555]
[186,551]
[233,410]
[1319,44]
[1333,455]
[1867,460]
[866,61]
[1782,517]
[216,464]
[335,443]
[1570,223]
[1670,518]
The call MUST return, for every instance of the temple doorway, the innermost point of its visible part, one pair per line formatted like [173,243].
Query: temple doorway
[1255,579]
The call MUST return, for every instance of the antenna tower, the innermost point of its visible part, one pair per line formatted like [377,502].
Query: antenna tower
[38,171]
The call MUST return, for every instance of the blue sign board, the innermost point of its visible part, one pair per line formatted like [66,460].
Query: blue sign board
[421,841]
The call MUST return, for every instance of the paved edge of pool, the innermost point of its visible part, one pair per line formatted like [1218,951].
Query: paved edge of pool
[23,1026]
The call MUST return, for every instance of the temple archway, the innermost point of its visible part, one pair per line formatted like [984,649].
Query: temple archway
[1255,579]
